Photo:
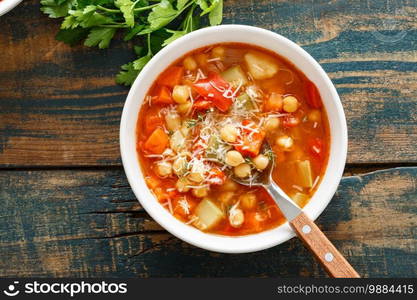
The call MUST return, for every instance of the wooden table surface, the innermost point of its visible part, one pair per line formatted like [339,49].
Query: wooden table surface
[66,206]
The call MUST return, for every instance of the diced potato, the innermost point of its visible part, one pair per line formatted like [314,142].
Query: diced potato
[177,141]
[300,199]
[190,63]
[208,214]
[235,76]
[181,93]
[261,66]
[305,176]
[173,121]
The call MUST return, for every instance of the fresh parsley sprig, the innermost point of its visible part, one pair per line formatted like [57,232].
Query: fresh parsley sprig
[151,24]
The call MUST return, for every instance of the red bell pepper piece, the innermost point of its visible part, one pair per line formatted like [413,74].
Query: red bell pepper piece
[171,77]
[313,96]
[249,143]
[211,89]
[202,104]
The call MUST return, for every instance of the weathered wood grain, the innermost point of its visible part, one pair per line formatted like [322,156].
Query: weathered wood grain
[59,223]
[60,105]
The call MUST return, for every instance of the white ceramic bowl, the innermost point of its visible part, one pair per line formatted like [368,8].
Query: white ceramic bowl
[6,5]
[270,41]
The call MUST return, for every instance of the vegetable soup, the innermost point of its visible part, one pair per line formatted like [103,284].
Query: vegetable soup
[205,120]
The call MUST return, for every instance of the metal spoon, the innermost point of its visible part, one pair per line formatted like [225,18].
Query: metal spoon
[311,235]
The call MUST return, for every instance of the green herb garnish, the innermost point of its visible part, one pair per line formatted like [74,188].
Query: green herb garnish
[193,122]
[153,24]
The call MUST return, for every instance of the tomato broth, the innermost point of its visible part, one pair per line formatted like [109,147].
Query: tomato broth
[206,119]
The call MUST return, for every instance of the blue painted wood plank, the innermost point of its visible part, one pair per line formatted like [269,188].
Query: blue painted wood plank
[87,223]
[60,106]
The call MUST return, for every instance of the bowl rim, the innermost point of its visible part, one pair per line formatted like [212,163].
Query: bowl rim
[8,5]
[189,234]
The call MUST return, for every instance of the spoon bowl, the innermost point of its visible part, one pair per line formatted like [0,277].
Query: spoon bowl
[311,235]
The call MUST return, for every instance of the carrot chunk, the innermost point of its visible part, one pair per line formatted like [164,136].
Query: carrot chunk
[152,121]
[157,141]
[163,96]
[171,77]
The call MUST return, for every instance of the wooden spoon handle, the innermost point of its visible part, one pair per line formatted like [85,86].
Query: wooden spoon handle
[315,240]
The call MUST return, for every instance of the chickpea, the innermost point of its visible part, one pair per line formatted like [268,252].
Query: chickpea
[248,201]
[229,133]
[189,63]
[290,104]
[226,197]
[272,124]
[285,142]
[234,158]
[173,121]
[236,217]
[261,162]
[196,176]
[180,166]
[229,185]
[184,108]
[201,59]
[200,192]
[164,168]
[314,115]
[181,93]
[242,170]
[218,52]
[182,185]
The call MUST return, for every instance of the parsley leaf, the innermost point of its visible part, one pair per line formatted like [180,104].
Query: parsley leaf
[97,21]
[161,15]
[216,15]
[127,75]
[56,8]
[100,36]
[126,7]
